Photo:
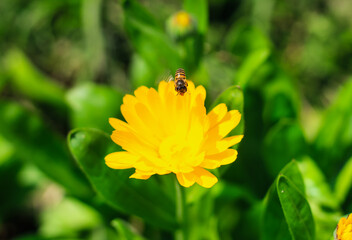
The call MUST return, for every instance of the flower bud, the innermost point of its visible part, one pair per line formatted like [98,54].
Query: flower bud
[180,25]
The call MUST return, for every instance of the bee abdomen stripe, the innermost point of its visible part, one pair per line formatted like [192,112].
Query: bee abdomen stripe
[181,72]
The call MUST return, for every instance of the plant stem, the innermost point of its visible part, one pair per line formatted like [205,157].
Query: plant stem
[181,212]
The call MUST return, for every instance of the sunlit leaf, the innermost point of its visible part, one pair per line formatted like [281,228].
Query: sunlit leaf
[249,66]
[296,210]
[125,231]
[344,182]
[324,206]
[198,9]
[29,81]
[287,214]
[333,143]
[94,37]
[68,218]
[87,100]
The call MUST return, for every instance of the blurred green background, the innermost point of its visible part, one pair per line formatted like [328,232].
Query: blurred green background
[66,64]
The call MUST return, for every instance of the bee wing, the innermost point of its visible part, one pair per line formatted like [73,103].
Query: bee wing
[166,76]
[169,78]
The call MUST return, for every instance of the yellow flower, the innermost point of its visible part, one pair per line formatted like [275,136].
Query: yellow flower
[181,25]
[168,133]
[182,19]
[344,229]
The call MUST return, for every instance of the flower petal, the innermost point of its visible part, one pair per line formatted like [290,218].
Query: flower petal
[131,143]
[140,175]
[186,179]
[205,178]
[216,160]
[216,115]
[119,125]
[121,160]
[229,122]
[222,145]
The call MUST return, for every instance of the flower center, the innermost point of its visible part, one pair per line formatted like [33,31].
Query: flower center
[175,151]
[183,19]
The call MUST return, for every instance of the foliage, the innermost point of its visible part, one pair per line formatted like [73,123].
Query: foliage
[65,66]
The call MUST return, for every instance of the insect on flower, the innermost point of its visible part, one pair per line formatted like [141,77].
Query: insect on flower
[180,82]
[165,133]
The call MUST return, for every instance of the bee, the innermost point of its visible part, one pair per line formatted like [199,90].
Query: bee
[180,82]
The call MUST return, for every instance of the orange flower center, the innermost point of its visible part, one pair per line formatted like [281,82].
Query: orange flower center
[183,19]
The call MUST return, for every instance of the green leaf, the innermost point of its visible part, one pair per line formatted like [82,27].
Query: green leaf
[89,99]
[243,39]
[149,40]
[344,182]
[280,96]
[287,214]
[323,203]
[292,171]
[125,231]
[296,210]
[199,10]
[250,65]
[7,150]
[93,36]
[274,225]
[284,142]
[69,217]
[29,81]
[333,143]
[38,144]
[131,196]
[141,73]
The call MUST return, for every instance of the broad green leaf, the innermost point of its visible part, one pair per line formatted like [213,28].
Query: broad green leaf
[280,97]
[333,143]
[125,231]
[287,214]
[292,172]
[274,225]
[38,144]
[89,99]
[296,210]
[250,65]
[284,142]
[323,203]
[29,81]
[142,73]
[131,196]
[344,182]
[199,10]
